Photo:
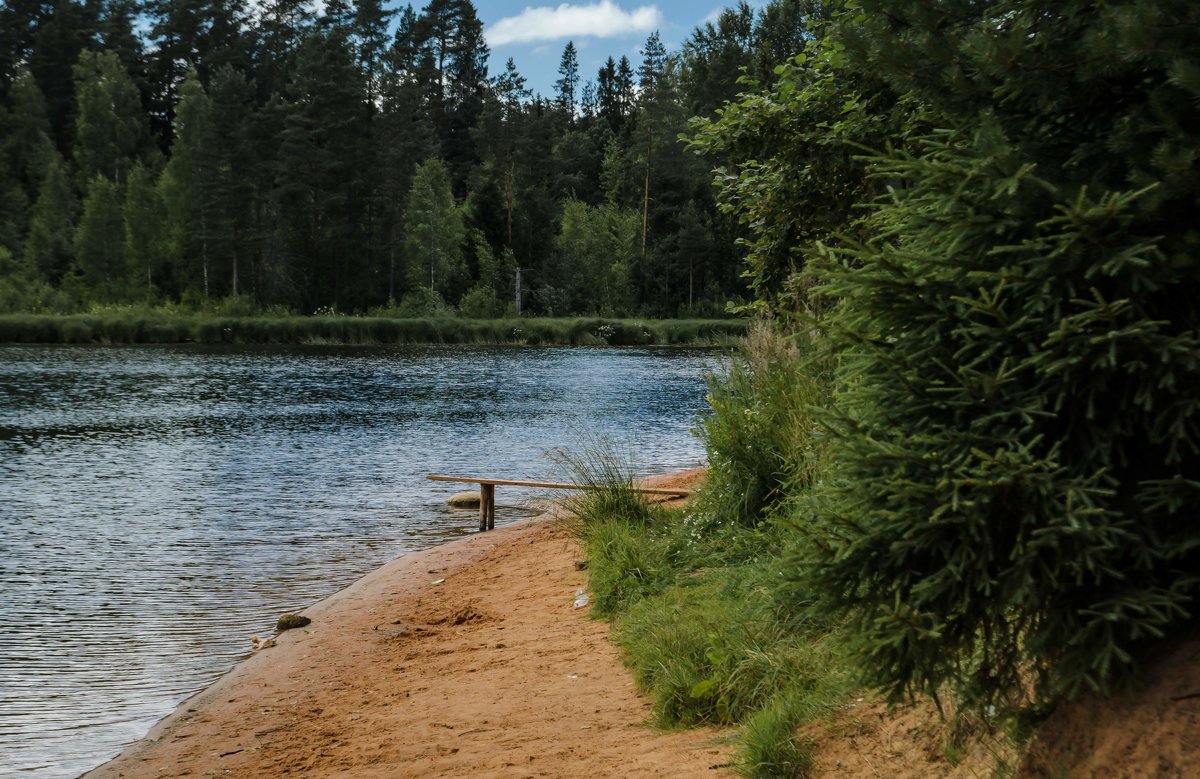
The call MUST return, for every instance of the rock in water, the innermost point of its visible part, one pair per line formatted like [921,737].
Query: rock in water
[289,621]
[464,500]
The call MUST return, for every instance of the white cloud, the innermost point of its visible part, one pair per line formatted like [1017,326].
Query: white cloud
[604,19]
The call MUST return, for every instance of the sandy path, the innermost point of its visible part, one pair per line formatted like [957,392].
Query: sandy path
[491,672]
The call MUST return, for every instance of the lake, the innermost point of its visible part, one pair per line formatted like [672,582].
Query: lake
[160,505]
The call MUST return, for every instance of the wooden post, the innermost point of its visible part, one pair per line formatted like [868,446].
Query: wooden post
[487,507]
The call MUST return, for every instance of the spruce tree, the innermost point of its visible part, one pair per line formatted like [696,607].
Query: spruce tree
[25,135]
[100,272]
[1016,450]
[50,244]
[110,129]
[568,80]
[143,216]
[67,30]
[187,188]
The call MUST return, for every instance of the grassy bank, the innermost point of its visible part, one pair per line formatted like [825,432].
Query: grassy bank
[710,624]
[712,605]
[149,326]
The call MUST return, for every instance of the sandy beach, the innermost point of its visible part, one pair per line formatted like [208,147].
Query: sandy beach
[467,659]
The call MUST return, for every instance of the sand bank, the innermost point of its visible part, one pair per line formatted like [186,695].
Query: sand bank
[468,659]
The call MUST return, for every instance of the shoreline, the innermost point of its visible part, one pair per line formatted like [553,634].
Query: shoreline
[156,326]
[465,657]
[248,668]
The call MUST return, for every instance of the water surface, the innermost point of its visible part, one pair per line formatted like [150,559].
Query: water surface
[160,505]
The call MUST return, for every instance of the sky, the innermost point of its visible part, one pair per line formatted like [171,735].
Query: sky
[534,33]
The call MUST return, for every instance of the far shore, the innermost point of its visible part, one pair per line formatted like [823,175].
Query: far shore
[466,659]
[168,326]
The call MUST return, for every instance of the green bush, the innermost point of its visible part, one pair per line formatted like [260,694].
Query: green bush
[423,302]
[1017,450]
[480,302]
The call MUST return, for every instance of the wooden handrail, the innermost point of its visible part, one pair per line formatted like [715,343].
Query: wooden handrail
[558,485]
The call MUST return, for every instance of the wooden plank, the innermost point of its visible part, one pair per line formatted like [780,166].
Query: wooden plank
[554,484]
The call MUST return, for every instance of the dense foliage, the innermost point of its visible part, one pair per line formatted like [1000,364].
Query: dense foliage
[1021,351]
[1001,255]
[166,152]
[981,220]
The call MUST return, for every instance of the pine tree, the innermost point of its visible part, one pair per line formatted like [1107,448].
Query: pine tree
[237,171]
[19,21]
[118,34]
[405,137]
[190,36]
[14,210]
[589,107]
[282,25]
[713,58]
[501,135]
[452,39]
[371,22]
[654,64]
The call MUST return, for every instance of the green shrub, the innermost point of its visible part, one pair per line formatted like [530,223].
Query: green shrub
[480,302]
[423,302]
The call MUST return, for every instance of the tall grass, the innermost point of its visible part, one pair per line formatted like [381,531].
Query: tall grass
[760,436]
[147,325]
[698,597]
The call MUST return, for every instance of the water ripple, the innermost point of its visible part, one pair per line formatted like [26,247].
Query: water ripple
[160,505]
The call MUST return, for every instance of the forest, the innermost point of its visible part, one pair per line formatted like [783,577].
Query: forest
[248,158]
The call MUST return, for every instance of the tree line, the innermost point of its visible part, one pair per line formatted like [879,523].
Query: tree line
[360,159]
